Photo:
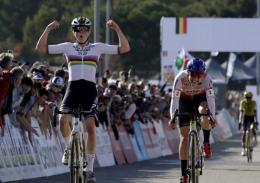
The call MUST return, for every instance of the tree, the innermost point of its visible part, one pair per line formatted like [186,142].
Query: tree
[141,24]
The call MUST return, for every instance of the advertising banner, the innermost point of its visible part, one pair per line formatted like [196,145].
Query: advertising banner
[104,152]
[162,140]
[126,144]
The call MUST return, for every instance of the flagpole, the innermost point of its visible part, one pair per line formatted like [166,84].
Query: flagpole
[108,14]
[258,55]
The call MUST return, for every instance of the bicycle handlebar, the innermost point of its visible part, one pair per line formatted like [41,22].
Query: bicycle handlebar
[75,112]
[192,114]
[79,112]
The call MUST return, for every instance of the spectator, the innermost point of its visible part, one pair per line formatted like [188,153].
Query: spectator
[43,112]
[23,115]
[12,98]
[5,80]
[129,109]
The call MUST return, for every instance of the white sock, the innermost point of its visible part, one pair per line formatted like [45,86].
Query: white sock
[90,160]
[67,141]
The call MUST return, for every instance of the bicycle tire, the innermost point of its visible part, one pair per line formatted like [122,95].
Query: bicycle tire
[74,159]
[85,163]
[201,160]
[193,178]
[249,146]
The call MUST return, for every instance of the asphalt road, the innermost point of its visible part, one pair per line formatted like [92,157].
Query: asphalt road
[226,166]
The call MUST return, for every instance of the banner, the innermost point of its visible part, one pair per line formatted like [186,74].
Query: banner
[117,151]
[104,152]
[162,140]
[172,136]
[140,139]
[126,144]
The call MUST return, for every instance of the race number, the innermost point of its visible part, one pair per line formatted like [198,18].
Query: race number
[210,92]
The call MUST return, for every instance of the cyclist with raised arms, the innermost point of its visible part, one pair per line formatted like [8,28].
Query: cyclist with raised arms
[82,58]
[247,116]
[192,88]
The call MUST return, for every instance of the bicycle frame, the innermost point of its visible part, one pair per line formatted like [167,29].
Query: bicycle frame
[249,142]
[77,147]
[77,163]
[195,155]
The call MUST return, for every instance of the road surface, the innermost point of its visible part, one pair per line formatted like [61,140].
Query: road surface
[226,166]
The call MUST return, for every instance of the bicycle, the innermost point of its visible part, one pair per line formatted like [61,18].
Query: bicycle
[77,161]
[195,153]
[249,142]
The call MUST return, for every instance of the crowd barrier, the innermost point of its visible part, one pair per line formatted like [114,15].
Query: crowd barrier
[42,157]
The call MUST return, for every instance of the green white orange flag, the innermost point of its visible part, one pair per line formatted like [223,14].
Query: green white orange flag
[182,59]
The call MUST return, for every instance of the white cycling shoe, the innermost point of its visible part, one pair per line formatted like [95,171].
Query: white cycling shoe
[65,157]
[243,152]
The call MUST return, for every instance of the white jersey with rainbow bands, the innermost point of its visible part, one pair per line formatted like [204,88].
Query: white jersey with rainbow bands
[82,62]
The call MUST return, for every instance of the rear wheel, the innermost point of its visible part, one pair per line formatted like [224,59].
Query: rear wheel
[74,160]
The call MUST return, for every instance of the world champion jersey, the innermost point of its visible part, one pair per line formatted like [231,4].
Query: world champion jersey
[82,62]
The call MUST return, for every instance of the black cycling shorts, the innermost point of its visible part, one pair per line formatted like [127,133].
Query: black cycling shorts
[79,93]
[248,120]
[186,105]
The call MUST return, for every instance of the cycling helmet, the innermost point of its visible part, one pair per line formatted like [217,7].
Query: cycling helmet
[80,22]
[58,81]
[196,66]
[248,94]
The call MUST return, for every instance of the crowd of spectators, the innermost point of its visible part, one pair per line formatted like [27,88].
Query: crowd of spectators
[233,99]
[36,91]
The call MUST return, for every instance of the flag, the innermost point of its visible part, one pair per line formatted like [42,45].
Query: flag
[182,59]
[181,25]
[230,65]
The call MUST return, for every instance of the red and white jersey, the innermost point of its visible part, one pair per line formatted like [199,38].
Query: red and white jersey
[182,87]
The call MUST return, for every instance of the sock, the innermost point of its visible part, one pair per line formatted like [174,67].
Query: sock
[67,141]
[184,167]
[243,145]
[206,134]
[90,160]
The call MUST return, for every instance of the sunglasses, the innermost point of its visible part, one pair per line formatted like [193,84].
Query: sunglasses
[198,75]
[81,29]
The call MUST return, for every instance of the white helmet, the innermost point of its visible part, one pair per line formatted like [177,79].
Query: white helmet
[58,81]
[80,22]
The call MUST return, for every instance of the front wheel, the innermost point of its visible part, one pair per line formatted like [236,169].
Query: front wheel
[74,160]
[193,170]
